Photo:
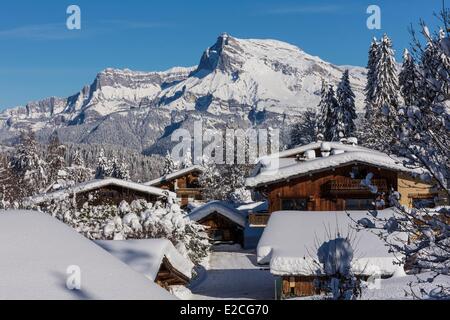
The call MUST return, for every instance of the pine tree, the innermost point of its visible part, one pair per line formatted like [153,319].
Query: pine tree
[385,95]
[28,167]
[55,158]
[409,80]
[323,109]
[169,164]
[8,185]
[120,170]
[104,166]
[346,102]
[305,130]
[333,120]
[78,170]
[422,132]
[382,109]
[371,77]
[187,160]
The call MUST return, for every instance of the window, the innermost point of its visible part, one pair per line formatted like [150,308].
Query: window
[294,204]
[359,204]
[424,203]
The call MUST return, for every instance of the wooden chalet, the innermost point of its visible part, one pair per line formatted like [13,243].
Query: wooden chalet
[157,259]
[107,191]
[292,242]
[331,176]
[224,224]
[182,182]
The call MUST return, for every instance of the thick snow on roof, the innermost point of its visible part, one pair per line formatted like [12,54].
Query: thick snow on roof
[318,145]
[271,172]
[291,240]
[100,183]
[146,256]
[36,251]
[175,175]
[254,207]
[220,207]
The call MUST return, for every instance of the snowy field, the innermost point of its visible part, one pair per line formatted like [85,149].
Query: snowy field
[232,273]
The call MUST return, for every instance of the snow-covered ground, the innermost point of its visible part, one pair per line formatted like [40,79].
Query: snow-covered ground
[232,273]
[397,288]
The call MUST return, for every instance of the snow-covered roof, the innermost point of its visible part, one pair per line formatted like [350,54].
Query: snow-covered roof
[100,183]
[291,239]
[273,169]
[175,175]
[221,208]
[254,207]
[317,145]
[146,256]
[36,251]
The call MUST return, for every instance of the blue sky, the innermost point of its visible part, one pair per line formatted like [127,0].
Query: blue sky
[39,57]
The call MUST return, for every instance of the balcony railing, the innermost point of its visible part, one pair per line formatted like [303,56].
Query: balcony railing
[355,186]
[258,220]
[189,191]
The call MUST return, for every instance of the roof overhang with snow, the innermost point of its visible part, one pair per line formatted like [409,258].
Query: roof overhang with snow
[175,175]
[275,170]
[97,184]
[318,145]
[291,240]
[219,207]
[146,256]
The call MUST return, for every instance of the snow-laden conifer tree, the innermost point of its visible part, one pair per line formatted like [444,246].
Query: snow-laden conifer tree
[323,109]
[422,132]
[104,166]
[346,103]
[119,169]
[371,77]
[55,158]
[383,101]
[27,165]
[78,170]
[306,129]
[8,184]
[169,164]
[333,124]
[385,95]
[409,80]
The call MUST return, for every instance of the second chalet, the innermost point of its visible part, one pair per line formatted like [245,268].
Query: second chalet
[183,182]
[335,176]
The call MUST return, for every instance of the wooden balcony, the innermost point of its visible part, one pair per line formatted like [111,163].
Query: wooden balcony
[189,191]
[258,220]
[354,186]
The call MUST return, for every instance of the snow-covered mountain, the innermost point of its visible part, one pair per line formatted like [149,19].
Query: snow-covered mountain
[248,81]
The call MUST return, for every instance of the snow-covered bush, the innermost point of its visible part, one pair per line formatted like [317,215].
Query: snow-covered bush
[334,273]
[138,220]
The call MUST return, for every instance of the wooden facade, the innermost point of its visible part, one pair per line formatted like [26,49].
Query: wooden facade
[304,286]
[221,229]
[169,276]
[111,195]
[331,190]
[186,187]
[416,192]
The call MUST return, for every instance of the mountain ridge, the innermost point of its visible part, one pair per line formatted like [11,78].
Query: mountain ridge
[235,78]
